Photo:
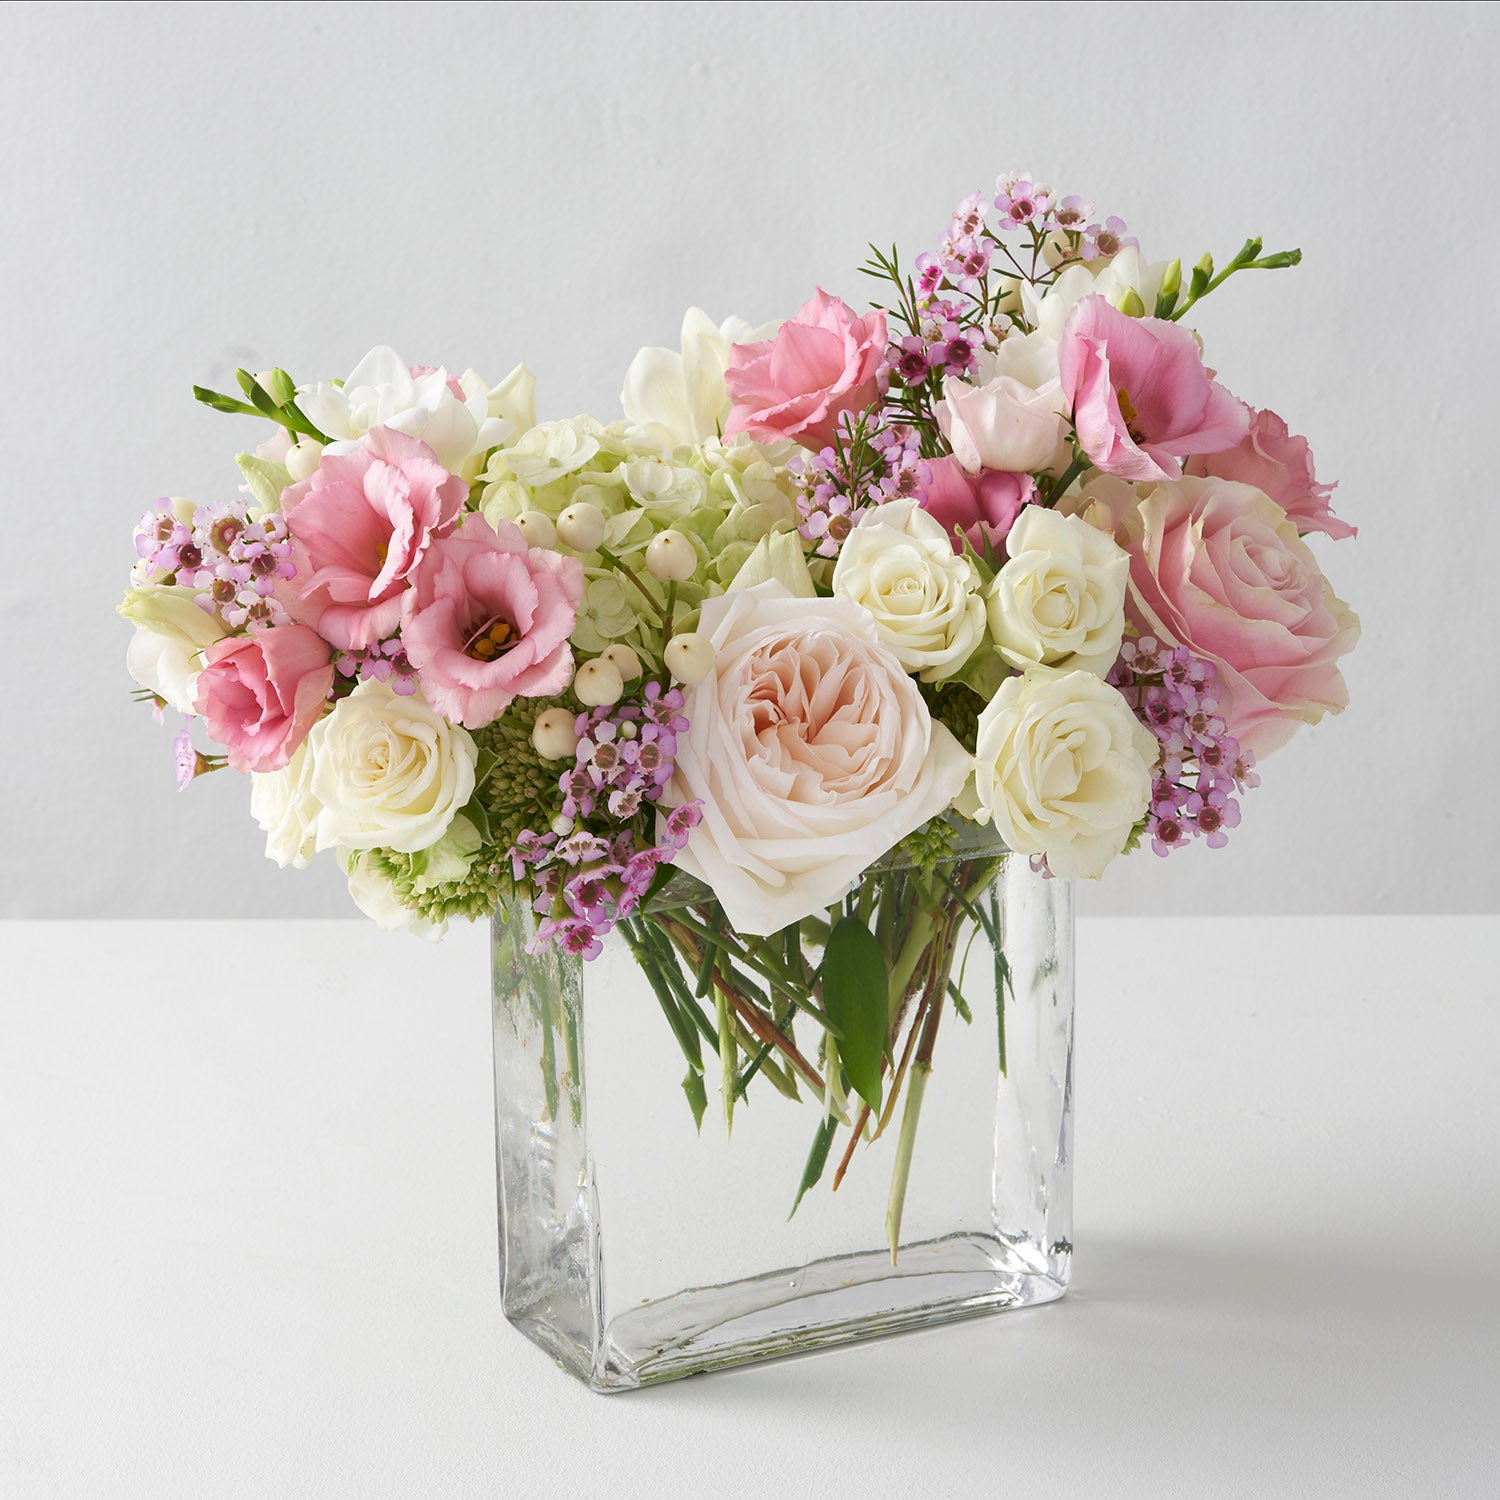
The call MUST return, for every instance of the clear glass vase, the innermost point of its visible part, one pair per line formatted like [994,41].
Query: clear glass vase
[647,1232]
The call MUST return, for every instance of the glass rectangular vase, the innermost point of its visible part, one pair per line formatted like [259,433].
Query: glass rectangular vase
[638,1246]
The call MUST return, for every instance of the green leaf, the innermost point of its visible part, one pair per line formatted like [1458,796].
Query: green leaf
[266,479]
[855,994]
[479,815]
[484,764]
[984,671]
[697,1096]
[817,1158]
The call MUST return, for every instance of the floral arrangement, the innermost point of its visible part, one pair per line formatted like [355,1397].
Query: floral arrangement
[837,596]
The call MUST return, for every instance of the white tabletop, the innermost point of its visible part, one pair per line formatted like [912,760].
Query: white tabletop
[247,1239]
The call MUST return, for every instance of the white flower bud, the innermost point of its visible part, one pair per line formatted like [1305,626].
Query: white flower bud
[598,682]
[581,526]
[302,458]
[553,734]
[536,526]
[626,662]
[689,657]
[671,557]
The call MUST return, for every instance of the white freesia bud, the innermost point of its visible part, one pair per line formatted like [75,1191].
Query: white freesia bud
[553,734]
[598,682]
[689,657]
[266,380]
[302,459]
[536,526]
[671,557]
[581,526]
[626,662]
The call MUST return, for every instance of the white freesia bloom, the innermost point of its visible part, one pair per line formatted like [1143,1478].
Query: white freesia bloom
[1060,598]
[811,750]
[381,391]
[924,597]
[389,772]
[680,397]
[1063,768]
[172,632]
[995,421]
[375,896]
[513,401]
[283,804]
[1127,272]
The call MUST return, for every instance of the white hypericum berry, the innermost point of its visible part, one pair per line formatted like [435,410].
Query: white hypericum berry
[581,526]
[689,657]
[302,459]
[562,825]
[537,528]
[598,682]
[553,734]
[671,557]
[626,662]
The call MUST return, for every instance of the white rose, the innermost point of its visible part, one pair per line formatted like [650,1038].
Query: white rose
[165,654]
[680,398]
[1060,599]
[389,772]
[811,750]
[924,597]
[283,804]
[999,422]
[375,896]
[1063,768]
[381,391]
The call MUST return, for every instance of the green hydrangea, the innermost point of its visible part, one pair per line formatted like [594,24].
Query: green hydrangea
[472,895]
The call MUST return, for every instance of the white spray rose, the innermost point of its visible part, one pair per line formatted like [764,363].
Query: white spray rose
[1063,768]
[375,896]
[924,597]
[283,804]
[680,397]
[172,632]
[811,750]
[389,772]
[1060,599]
[996,421]
[381,391]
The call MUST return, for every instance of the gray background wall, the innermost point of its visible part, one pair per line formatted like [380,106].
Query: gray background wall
[191,187]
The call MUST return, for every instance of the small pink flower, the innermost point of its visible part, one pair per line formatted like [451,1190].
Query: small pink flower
[820,365]
[1280,464]
[983,507]
[360,526]
[1140,397]
[488,620]
[259,694]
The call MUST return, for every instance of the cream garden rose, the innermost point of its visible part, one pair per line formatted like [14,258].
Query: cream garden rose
[389,772]
[1063,768]
[924,598]
[811,750]
[1060,598]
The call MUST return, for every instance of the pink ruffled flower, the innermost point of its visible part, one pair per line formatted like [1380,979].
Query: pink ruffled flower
[983,507]
[259,694]
[360,526]
[1277,462]
[821,364]
[1217,567]
[488,620]
[1140,397]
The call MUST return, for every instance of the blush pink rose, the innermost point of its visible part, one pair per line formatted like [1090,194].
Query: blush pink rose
[1140,397]
[488,620]
[360,526]
[821,364]
[259,694]
[982,507]
[1278,462]
[1217,567]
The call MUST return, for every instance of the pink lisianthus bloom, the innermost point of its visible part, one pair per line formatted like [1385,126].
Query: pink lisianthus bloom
[1140,396]
[981,507]
[820,365]
[1219,568]
[360,526]
[1279,463]
[260,694]
[488,620]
